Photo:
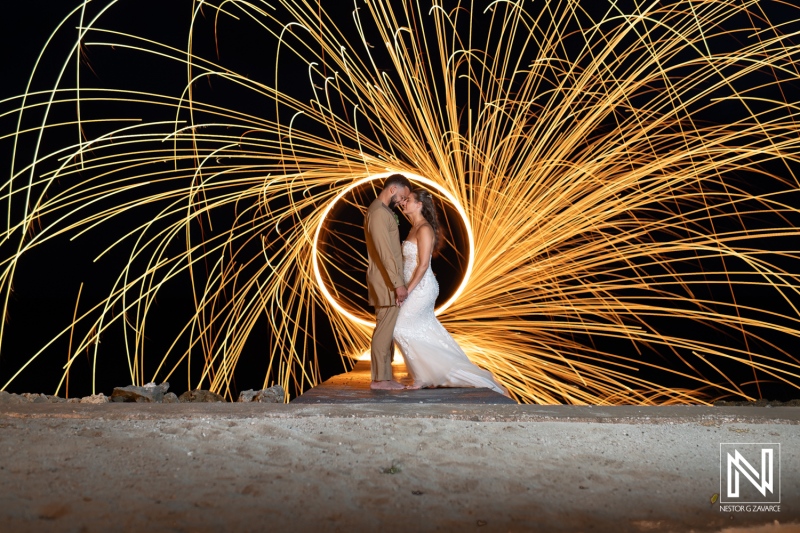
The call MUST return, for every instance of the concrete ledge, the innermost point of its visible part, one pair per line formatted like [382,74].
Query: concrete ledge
[484,413]
[385,467]
[354,387]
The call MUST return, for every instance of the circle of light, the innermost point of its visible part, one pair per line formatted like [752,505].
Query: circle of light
[412,177]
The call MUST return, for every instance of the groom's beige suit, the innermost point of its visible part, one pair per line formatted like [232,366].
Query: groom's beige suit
[384,274]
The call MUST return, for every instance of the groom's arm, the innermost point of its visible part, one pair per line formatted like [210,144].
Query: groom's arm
[379,228]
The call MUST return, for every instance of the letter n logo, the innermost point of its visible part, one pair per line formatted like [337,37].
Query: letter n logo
[747,473]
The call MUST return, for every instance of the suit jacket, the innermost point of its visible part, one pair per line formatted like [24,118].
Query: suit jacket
[385,268]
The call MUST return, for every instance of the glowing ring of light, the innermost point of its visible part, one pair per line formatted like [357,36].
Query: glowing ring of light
[412,177]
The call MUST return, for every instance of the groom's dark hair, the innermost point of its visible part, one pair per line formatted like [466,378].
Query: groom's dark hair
[396,179]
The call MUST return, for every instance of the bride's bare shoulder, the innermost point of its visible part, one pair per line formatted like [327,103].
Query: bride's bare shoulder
[426,230]
[424,237]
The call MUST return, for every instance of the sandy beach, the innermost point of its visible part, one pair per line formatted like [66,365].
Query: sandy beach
[269,467]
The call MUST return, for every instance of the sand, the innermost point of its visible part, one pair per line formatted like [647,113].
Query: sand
[269,467]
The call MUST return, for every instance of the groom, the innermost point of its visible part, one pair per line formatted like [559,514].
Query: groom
[385,276]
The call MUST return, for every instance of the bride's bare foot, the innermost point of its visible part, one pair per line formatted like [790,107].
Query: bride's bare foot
[388,384]
[413,386]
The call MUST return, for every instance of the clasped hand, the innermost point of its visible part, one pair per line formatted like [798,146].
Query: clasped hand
[402,294]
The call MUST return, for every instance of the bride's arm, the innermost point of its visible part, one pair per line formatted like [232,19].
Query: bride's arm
[424,247]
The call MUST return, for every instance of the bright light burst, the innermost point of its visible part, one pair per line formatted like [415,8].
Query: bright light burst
[627,173]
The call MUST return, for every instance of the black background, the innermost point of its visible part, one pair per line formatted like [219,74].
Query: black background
[48,278]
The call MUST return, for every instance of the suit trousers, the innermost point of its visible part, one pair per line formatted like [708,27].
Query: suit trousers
[382,347]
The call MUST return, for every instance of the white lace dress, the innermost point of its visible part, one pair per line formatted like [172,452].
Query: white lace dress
[432,356]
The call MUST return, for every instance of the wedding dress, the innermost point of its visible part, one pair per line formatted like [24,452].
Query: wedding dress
[432,356]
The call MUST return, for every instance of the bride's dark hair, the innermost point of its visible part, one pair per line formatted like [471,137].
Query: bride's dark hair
[431,214]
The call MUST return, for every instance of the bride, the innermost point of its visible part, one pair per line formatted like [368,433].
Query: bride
[432,357]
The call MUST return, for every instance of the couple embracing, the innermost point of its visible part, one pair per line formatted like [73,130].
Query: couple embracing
[403,290]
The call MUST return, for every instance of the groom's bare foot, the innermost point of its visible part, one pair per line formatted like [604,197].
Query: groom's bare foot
[388,384]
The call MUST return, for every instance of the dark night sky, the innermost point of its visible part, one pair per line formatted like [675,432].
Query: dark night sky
[48,282]
[49,278]
[46,287]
